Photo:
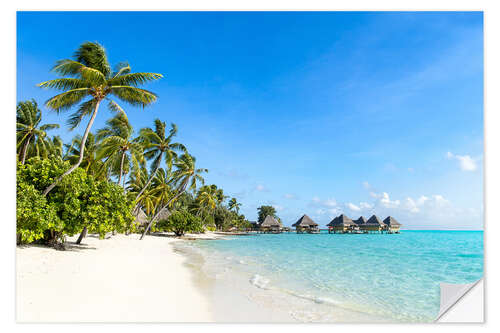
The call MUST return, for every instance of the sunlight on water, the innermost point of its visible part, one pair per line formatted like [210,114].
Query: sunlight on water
[390,276]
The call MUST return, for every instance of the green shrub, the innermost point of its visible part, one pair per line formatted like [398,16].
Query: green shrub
[180,222]
[78,200]
[34,216]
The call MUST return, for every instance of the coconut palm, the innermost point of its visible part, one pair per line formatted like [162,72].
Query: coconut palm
[157,145]
[185,177]
[118,147]
[90,81]
[29,131]
[160,187]
[234,205]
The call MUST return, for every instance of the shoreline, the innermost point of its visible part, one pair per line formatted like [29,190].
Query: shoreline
[120,279]
[240,297]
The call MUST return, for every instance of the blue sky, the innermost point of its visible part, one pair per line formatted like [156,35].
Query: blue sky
[317,113]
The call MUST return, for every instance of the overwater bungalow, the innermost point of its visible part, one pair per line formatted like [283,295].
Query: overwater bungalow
[357,224]
[340,224]
[374,224]
[392,225]
[270,225]
[306,224]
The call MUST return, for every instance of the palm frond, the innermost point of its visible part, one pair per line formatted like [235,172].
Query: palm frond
[134,79]
[47,127]
[66,99]
[93,55]
[64,84]
[133,95]
[85,109]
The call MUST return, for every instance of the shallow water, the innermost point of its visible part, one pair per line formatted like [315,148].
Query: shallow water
[350,277]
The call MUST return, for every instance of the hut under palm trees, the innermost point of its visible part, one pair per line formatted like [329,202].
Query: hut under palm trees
[164,214]
[340,224]
[374,224]
[270,225]
[141,219]
[305,224]
[392,225]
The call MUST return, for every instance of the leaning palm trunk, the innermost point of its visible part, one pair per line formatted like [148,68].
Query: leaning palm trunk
[159,212]
[82,149]
[25,149]
[82,235]
[149,180]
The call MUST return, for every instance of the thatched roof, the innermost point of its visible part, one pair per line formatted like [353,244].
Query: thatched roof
[164,214]
[360,220]
[305,221]
[374,220]
[140,217]
[340,220]
[391,221]
[270,221]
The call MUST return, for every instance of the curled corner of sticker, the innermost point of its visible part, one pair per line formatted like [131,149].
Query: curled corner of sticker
[451,297]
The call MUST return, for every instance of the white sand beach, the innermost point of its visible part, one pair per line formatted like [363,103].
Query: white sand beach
[120,279]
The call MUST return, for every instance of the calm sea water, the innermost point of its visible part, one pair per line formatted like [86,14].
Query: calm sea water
[395,277]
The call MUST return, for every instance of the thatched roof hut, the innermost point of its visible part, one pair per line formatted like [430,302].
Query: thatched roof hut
[341,220]
[164,214]
[305,222]
[270,222]
[360,220]
[391,222]
[140,217]
[374,220]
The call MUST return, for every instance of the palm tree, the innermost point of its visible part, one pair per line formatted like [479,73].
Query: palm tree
[90,77]
[233,204]
[160,187]
[207,199]
[90,159]
[185,176]
[157,145]
[118,147]
[28,128]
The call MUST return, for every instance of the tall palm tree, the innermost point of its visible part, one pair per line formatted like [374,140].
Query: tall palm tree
[28,128]
[118,147]
[185,177]
[91,81]
[157,145]
[234,205]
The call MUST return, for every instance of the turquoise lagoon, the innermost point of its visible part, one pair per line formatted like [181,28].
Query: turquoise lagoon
[392,277]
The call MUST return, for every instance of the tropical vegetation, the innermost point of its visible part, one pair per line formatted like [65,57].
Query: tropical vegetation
[101,181]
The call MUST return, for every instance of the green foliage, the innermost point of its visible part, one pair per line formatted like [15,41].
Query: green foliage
[31,135]
[180,222]
[264,211]
[80,200]
[34,215]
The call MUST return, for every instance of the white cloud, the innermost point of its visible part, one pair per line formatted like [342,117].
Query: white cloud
[328,203]
[387,202]
[353,207]
[261,188]
[278,208]
[365,205]
[466,162]
[290,196]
